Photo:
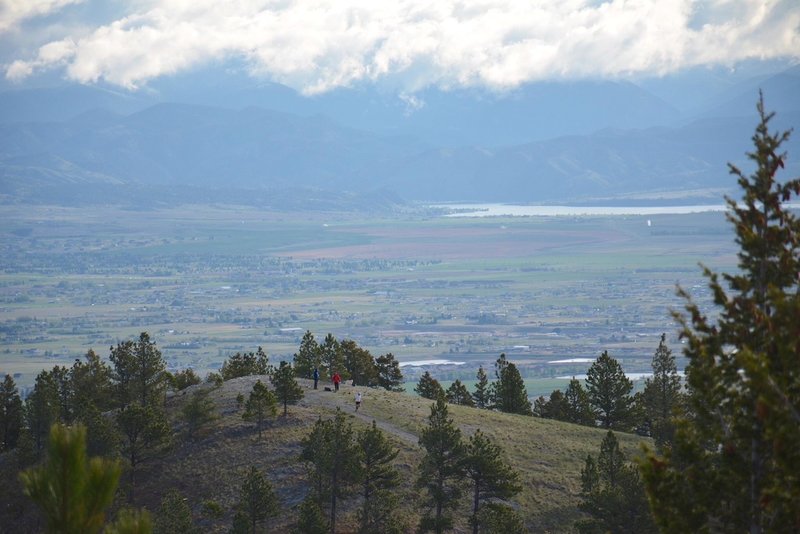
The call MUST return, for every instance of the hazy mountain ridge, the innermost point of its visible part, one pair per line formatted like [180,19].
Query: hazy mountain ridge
[175,145]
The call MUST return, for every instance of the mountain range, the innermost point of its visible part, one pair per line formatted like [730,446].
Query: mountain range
[549,142]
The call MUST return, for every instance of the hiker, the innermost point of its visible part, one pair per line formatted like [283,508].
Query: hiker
[336,380]
[316,377]
[358,400]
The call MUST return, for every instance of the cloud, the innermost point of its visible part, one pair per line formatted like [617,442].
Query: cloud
[13,12]
[315,46]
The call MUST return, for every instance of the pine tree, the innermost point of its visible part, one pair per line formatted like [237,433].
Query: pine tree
[609,393]
[613,493]
[72,491]
[63,386]
[91,385]
[499,517]
[41,412]
[139,372]
[492,478]
[308,357]
[662,395]
[287,390]
[310,518]
[10,414]
[245,364]
[734,464]
[379,480]
[332,357]
[579,409]
[482,395]
[260,404]
[198,412]
[428,387]
[510,395]
[359,363]
[442,469]
[257,500]
[174,515]
[145,434]
[457,393]
[317,455]
[389,375]
[183,379]
[556,407]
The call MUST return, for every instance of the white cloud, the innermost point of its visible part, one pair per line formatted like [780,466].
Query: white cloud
[321,44]
[12,12]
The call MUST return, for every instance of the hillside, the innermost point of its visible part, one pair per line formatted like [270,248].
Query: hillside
[547,454]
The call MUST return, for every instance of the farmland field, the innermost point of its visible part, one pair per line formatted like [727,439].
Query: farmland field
[206,281]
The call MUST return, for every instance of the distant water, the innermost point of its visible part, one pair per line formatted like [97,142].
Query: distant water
[514,210]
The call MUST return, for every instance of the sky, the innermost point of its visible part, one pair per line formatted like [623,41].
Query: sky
[315,46]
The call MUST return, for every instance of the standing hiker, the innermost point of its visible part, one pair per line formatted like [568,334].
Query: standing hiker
[336,380]
[316,377]
[358,400]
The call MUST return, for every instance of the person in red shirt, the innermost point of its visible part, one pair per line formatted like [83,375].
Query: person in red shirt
[336,380]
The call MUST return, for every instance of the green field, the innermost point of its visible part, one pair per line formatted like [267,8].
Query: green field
[206,281]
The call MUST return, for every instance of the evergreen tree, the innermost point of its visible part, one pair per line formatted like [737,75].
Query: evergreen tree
[332,357]
[72,491]
[310,518]
[144,435]
[389,375]
[609,393]
[10,414]
[257,500]
[245,364]
[308,357]
[260,404]
[499,517]
[174,515]
[556,407]
[458,393]
[41,412]
[102,436]
[379,480]
[198,412]
[91,386]
[131,522]
[287,390]
[613,494]
[442,470]
[510,395]
[482,395]
[139,372]
[316,454]
[183,379]
[428,387]
[734,464]
[662,395]
[359,363]
[492,478]
[579,409]
[63,386]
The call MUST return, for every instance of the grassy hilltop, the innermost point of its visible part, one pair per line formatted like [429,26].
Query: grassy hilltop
[547,454]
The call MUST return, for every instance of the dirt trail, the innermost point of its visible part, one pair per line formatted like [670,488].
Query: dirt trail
[345,399]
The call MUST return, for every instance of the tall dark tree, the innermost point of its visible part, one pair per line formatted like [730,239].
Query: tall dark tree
[198,412]
[389,375]
[308,357]
[359,363]
[10,414]
[182,379]
[61,379]
[613,494]
[287,390]
[257,500]
[139,372]
[145,434]
[174,515]
[379,480]
[662,395]
[91,384]
[579,409]
[492,478]
[332,357]
[428,387]
[310,518]
[245,364]
[41,412]
[609,393]
[333,457]
[734,464]
[441,473]
[482,395]
[510,395]
[555,407]
[458,393]
[260,404]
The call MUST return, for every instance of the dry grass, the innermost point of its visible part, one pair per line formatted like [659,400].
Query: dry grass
[547,454]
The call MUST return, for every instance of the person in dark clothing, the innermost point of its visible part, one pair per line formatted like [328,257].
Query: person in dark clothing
[336,380]
[316,377]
